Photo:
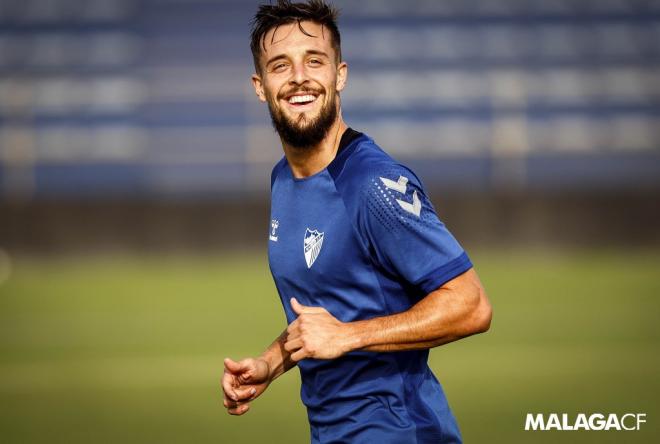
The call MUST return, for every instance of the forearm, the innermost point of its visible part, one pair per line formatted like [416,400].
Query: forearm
[447,314]
[419,327]
[278,359]
[458,309]
[417,345]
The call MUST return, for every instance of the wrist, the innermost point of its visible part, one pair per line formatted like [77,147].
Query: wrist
[352,337]
[268,368]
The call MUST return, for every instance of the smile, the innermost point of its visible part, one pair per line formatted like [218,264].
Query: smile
[300,101]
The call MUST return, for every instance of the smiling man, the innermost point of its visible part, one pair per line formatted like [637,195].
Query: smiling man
[368,276]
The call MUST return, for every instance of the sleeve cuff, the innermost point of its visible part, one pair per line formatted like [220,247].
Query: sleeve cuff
[438,277]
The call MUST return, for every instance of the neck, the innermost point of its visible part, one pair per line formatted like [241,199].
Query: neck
[308,161]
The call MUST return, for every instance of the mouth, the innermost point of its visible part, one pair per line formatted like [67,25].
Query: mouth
[302,101]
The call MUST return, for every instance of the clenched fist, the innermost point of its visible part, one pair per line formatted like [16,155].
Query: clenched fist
[315,334]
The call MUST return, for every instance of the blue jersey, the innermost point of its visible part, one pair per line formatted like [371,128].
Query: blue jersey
[362,240]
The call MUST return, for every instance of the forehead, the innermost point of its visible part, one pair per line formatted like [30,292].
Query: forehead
[288,38]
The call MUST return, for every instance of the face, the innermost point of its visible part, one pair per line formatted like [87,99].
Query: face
[300,79]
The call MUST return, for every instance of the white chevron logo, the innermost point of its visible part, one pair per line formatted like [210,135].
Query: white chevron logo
[401,186]
[413,208]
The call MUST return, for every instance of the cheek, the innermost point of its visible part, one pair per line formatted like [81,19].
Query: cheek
[272,98]
[272,89]
[334,83]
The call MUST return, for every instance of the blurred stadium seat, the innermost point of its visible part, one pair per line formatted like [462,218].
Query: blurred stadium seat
[152,97]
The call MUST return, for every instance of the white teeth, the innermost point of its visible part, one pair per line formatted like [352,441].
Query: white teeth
[302,99]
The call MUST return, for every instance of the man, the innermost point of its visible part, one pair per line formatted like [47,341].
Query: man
[369,278]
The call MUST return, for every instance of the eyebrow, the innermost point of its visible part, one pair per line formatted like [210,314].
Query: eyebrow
[308,52]
[317,52]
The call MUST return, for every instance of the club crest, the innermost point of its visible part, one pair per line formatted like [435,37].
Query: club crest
[312,246]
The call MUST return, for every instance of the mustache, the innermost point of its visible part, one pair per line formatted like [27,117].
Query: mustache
[293,91]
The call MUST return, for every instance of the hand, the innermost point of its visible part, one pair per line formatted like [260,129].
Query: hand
[315,334]
[242,382]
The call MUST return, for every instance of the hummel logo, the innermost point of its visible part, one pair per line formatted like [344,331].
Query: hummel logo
[274,225]
[401,186]
[413,208]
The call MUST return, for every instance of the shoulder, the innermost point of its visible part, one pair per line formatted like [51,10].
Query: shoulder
[276,170]
[374,186]
[366,164]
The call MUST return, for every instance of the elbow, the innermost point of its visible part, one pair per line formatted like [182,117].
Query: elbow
[483,314]
[473,313]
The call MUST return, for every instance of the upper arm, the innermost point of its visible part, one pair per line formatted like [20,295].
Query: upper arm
[404,234]
[467,291]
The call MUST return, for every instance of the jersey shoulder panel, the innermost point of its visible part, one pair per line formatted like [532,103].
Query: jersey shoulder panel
[396,221]
[360,161]
[370,179]
[276,170]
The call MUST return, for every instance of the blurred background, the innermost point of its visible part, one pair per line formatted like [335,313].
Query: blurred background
[134,185]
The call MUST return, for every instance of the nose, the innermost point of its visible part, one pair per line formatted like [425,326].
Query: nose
[298,74]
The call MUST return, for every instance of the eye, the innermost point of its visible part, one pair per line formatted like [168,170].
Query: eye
[315,62]
[279,67]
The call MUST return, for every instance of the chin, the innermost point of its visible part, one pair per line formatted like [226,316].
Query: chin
[304,121]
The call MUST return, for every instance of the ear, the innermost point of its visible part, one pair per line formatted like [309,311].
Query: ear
[258,87]
[342,76]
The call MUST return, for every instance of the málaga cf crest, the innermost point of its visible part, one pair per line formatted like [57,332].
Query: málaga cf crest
[312,246]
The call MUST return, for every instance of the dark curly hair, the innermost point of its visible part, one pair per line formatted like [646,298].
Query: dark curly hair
[271,16]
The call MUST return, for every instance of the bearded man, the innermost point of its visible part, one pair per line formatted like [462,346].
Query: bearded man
[370,279]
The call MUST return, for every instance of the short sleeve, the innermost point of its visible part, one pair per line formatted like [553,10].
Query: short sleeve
[404,233]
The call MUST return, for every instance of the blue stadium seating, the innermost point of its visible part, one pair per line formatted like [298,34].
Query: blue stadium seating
[152,97]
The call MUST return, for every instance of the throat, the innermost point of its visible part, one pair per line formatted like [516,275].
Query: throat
[306,162]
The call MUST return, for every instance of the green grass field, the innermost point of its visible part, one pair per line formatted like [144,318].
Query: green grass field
[130,349]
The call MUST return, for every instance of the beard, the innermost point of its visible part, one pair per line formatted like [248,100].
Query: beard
[303,133]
